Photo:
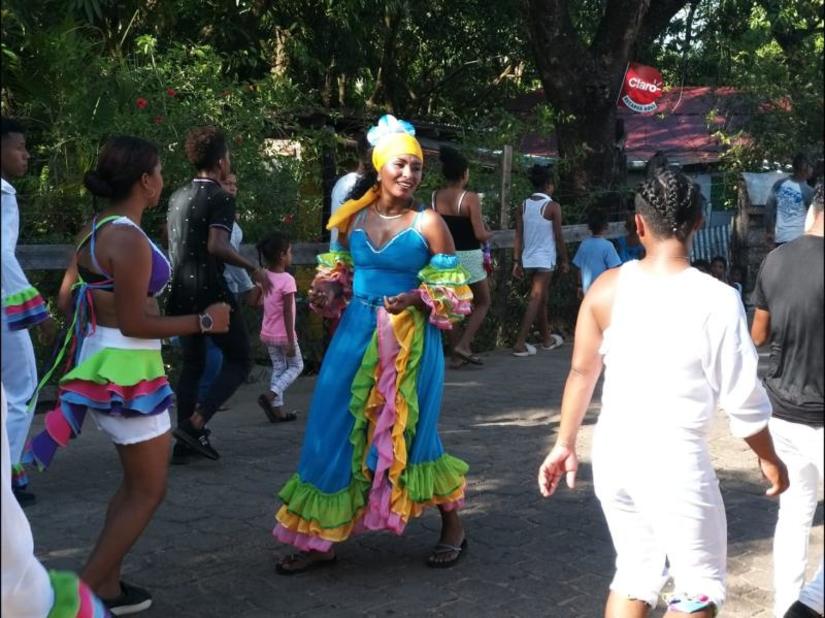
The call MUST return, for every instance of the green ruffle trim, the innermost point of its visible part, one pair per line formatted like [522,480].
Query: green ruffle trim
[18,298]
[119,366]
[454,277]
[66,594]
[327,510]
[423,482]
[438,478]
[331,259]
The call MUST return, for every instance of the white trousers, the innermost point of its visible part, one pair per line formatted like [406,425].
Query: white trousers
[663,507]
[801,448]
[19,379]
[26,589]
[285,370]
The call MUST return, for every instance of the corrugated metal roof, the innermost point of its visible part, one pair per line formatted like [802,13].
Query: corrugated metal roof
[682,126]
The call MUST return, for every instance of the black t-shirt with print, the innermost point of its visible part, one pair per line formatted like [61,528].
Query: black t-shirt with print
[790,287]
[197,276]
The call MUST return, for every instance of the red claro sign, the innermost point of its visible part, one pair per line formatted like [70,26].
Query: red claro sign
[641,88]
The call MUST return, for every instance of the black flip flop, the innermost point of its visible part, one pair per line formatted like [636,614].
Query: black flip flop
[315,564]
[470,358]
[444,548]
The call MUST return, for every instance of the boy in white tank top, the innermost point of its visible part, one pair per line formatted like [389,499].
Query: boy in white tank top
[537,249]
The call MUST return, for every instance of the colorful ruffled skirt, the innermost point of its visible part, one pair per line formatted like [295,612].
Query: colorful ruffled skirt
[372,457]
[121,380]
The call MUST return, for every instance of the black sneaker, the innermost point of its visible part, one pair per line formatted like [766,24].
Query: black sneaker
[24,498]
[131,601]
[196,440]
[181,454]
[800,610]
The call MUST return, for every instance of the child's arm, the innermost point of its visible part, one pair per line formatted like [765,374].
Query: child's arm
[289,322]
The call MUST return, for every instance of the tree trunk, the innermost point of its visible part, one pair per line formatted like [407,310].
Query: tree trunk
[582,83]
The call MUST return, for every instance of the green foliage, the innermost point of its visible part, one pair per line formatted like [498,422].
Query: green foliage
[74,97]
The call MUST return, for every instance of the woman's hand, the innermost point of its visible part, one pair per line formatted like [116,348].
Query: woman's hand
[518,271]
[562,460]
[219,312]
[321,295]
[397,304]
[261,278]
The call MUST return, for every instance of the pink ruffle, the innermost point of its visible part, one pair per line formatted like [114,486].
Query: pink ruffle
[378,514]
[103,392]
[303,542]
[455,306]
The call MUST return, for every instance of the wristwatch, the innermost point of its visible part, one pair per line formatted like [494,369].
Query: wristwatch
[206,322]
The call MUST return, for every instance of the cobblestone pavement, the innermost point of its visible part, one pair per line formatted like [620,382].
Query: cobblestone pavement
[209,551]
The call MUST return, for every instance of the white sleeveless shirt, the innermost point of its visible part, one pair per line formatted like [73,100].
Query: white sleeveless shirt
[539,239]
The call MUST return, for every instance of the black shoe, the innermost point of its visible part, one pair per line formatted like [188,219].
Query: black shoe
[800,610]
[196,440]
[181,454]
[24,498]
[131,600]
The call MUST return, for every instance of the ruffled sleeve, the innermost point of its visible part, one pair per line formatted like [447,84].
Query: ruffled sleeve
[445,291]
[24,309]
[334,267]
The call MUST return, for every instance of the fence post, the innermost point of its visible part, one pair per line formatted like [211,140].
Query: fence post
[506,185]
[505,267]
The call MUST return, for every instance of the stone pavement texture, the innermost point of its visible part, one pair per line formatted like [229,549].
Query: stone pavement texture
[209,551]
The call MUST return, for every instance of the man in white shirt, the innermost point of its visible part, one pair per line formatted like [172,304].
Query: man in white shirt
[343,186]
[788,202]
[23,308]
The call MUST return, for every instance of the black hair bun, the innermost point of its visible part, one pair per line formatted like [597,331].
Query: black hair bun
[97,185]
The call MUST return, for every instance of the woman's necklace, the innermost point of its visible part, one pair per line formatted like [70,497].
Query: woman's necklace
[387,217]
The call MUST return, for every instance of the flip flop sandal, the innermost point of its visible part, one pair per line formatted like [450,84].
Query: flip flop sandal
[529,350]
[309,566]
[445,548]
[457,363]
[558,340]
[469,358]
[271,414]
[285,417]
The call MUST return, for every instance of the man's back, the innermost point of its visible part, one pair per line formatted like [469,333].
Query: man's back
[790,198]
[197,278]
[790,287]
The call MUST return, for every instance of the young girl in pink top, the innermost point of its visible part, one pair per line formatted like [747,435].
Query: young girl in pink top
[278,326]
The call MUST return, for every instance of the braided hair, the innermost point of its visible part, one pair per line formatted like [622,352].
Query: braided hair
[670,204]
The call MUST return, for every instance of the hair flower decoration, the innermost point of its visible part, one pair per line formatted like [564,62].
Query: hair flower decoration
[388,125]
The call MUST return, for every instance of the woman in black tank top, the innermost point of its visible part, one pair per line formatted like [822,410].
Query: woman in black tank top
[461,210]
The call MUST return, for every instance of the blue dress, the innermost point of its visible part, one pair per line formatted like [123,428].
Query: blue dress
[371,456]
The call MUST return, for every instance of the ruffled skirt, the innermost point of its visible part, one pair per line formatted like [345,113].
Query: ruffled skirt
[372,457]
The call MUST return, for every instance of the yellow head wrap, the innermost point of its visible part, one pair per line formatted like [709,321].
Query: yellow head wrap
[394,141]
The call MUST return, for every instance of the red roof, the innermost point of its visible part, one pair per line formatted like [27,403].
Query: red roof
[681,127]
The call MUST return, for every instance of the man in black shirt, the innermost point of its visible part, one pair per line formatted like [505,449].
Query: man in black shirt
[789,298]
[199,223]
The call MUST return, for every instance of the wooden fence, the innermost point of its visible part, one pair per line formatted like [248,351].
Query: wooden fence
[56,257]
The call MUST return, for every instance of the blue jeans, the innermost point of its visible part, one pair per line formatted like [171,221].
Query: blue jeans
[214,361]
[212,366]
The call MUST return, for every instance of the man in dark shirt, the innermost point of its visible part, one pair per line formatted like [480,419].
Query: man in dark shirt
[199,224]
[789,298]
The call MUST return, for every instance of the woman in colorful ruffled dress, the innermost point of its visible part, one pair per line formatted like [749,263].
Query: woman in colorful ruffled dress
[372,457]
[114,351]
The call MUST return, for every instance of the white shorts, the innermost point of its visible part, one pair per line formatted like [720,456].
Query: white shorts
[663,507]
[124,429]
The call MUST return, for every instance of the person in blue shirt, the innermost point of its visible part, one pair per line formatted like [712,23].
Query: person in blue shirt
[596,254]
[630,247]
